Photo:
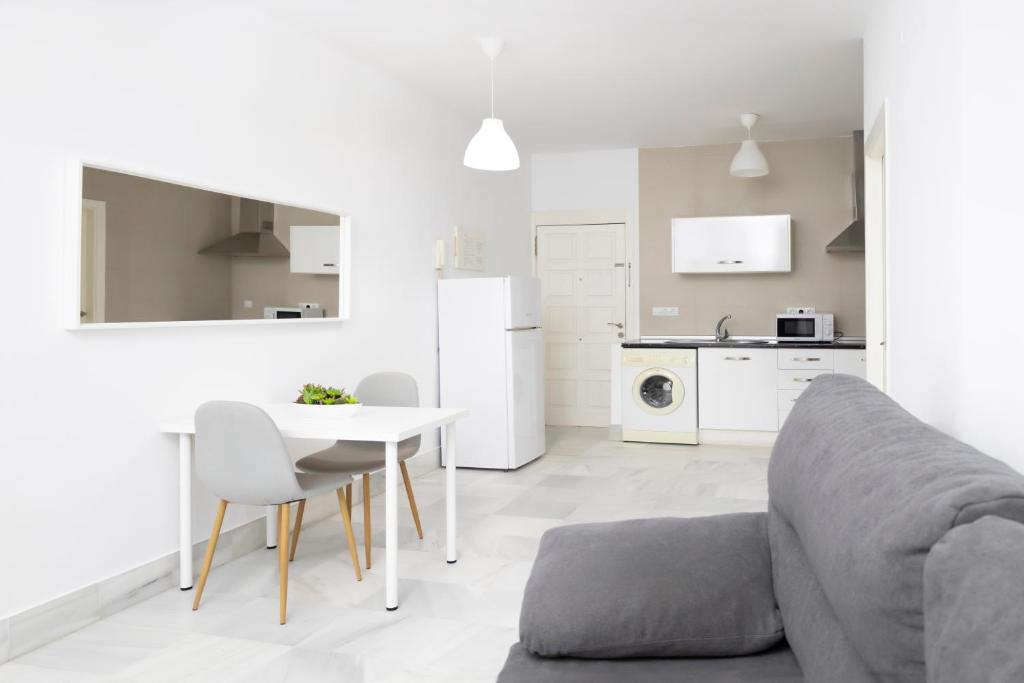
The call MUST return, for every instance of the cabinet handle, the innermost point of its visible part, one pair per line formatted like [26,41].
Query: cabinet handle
[737,357]
[329,265]
[807,360]
[802,379]
[729,263]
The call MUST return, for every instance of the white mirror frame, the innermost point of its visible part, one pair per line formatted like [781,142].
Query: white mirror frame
[72,258]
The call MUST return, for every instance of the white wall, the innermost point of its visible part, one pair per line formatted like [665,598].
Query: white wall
[604,179]
[950,75]
[231,99]
[593,180]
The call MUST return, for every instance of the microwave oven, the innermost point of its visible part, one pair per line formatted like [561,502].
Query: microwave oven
[805,327]
[285,312]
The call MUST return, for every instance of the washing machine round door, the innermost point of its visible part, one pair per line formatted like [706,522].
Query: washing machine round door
[658,391]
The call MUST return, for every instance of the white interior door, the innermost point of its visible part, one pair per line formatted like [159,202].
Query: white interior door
[583,296]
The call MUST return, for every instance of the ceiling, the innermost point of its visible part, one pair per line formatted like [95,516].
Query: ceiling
[593,74]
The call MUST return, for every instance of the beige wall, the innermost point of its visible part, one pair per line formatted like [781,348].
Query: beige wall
[270,282]
[154,231]
[809,179]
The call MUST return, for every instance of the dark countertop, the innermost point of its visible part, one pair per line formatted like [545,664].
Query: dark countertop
[698,343]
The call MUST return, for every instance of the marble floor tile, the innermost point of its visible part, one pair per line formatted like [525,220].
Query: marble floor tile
[455,622]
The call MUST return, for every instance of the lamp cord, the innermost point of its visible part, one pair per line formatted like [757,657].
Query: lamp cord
[492,87]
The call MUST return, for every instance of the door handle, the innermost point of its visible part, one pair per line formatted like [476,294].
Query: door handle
[618,325]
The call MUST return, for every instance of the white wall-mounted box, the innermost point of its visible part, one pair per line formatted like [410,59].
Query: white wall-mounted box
[315,249]
[731,244]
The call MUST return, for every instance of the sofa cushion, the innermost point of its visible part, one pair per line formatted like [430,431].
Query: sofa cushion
[812,629]
[652,588]
[868,489]
[774,666]
[974,604]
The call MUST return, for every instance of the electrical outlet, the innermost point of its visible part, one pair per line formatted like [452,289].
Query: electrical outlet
[247,303]
[665,310]
[308,305]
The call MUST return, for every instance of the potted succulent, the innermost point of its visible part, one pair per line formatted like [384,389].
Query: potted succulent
[340,401]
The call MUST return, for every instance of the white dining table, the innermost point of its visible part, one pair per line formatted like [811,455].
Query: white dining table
[372,423]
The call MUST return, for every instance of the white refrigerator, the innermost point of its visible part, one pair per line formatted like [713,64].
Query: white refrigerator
[492,362]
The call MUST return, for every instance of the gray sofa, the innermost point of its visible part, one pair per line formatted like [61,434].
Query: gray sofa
[889,552]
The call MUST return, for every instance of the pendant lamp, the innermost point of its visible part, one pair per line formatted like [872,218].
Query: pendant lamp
[491,149]
[749,162]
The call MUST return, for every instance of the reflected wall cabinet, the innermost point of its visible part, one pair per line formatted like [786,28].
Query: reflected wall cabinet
[315,249]
[731,244]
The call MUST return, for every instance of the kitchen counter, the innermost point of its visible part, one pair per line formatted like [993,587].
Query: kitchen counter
[737,343]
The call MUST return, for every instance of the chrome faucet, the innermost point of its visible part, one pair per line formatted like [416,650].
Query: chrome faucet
[721,334]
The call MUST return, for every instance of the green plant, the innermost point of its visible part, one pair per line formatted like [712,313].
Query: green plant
[319,395]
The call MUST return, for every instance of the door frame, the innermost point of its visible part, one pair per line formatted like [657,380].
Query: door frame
[599,217]
[876,250]
[99,257]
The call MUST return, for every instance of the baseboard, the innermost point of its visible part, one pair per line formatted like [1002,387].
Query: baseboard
[45,623]
[615,432]
[729,437]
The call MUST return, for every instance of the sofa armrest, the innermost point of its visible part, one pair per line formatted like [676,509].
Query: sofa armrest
[664,587]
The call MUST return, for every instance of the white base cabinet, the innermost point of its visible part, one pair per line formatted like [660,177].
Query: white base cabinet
[852,362]
[754,390]
[736,389]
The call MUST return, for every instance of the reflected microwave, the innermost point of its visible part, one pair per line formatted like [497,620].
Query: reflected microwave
[805,327]
[285,312]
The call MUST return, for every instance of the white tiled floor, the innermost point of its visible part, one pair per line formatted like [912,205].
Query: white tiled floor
[455,622]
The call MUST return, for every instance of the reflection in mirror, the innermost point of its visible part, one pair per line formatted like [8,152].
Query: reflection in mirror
[154,251]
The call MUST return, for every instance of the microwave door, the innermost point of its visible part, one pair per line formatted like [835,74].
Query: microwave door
[796,328]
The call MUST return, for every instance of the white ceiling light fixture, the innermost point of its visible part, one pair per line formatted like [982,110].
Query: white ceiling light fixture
[491,149]
[749,162]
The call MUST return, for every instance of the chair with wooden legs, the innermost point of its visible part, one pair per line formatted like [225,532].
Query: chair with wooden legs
[241,458]
[394,389]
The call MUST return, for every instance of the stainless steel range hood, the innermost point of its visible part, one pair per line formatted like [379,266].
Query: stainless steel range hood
[852,238]
[255,236]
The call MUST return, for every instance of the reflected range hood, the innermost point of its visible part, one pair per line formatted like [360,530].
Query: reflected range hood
[255,236]
[852,238]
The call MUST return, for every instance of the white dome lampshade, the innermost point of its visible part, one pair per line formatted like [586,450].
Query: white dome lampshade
[749,162]
[491,149]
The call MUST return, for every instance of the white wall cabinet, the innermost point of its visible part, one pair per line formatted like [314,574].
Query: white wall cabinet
[737,389]
[731,244]
[315,249]
[852,362]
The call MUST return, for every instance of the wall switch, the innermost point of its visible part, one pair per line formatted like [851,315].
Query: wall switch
[247,303]
[665,310]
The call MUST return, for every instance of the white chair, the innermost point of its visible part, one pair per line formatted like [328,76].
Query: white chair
[241,458]
[395,389]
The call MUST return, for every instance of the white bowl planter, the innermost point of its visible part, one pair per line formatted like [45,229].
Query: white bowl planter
[339,410]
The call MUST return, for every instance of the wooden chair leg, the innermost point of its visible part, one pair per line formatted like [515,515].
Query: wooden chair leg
[282,558]
[348,497]
[412,499]
[367,530]
[349,534]
[211,546]
[298,528]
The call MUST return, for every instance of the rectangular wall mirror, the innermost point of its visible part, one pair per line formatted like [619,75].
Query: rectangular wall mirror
[149,252]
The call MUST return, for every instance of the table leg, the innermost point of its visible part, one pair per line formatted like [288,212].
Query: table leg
[272,519]
[449,491]
[391,525]
[185,511]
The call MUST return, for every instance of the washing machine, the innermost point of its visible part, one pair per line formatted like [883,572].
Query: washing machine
[659,395]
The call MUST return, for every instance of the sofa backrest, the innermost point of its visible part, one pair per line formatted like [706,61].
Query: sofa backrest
[859,492]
